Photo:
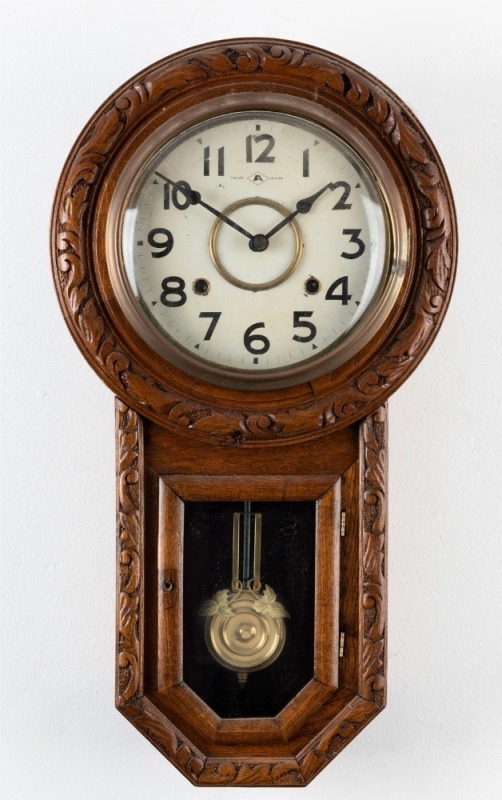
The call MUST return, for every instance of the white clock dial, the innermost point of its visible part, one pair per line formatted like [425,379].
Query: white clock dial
[255,241]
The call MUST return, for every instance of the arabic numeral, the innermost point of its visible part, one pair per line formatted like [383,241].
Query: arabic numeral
[344,296]
[162,240]
[341,204]
[298,322]
[214,317]
[179,194]
[256,343]
[263,157]
[173,286]
[220,164]
[306,163]
[354,237]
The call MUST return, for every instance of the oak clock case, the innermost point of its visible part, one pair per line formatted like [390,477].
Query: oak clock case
[254,245]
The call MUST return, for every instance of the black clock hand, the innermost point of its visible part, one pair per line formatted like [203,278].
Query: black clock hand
[302,207]
[196,200]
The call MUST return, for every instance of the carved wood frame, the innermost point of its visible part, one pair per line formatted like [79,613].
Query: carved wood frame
[326,715]
[170,397]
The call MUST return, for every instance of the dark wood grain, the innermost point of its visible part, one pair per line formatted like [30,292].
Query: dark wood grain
[130,554]
[327,587]
[170,588]
[332,454]
[343,695]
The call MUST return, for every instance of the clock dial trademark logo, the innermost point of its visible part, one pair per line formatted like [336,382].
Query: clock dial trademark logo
[258,177]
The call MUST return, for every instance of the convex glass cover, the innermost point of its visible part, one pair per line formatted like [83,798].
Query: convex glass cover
[253,242]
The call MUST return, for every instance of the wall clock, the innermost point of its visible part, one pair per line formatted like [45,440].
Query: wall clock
[253,245]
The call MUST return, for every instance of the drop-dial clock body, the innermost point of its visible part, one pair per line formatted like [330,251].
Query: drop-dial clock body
[253,245]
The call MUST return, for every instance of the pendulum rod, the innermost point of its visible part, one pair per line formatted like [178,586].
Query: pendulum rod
[246,549]
[246,543]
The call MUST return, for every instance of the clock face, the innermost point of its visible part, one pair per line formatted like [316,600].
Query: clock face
[253,244]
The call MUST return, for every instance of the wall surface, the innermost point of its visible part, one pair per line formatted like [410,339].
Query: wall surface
[440,736]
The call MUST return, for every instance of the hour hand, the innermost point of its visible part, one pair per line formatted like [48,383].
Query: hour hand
[302,207]
[195,199]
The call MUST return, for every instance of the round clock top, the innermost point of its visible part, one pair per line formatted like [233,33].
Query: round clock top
[253,240]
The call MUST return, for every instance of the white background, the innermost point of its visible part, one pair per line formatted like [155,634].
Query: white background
[440,736]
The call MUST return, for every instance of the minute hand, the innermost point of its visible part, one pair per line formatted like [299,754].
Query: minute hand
[302,207]
[196,200]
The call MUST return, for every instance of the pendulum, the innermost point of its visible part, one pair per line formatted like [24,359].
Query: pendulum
[245,628]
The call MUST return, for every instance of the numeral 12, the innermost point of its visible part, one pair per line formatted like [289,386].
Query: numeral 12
[263,157]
